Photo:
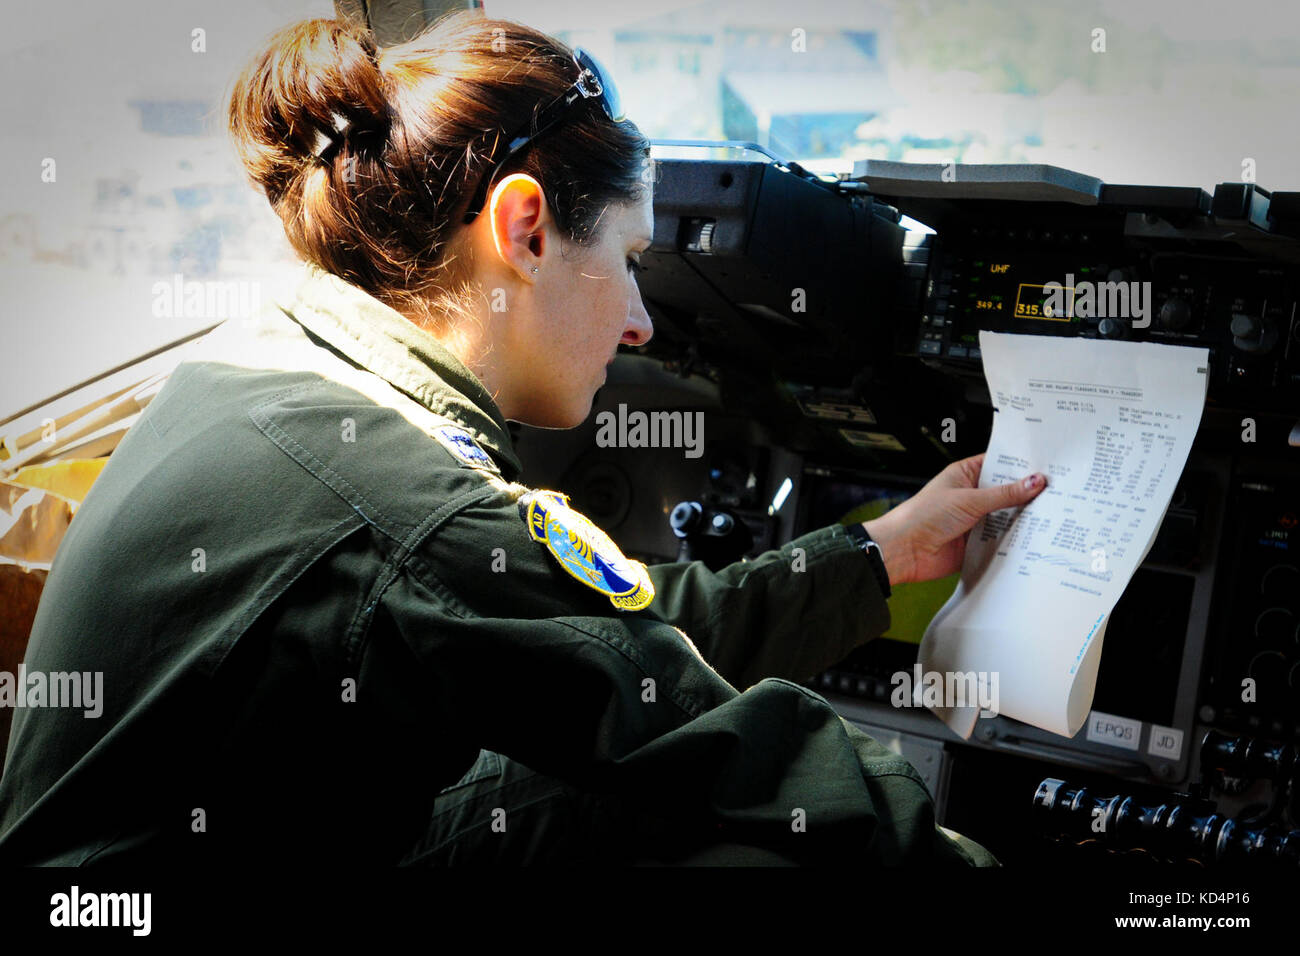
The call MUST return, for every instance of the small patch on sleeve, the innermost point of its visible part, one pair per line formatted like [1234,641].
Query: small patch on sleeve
[463,447]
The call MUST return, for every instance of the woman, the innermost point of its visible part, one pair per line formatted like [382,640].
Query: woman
[313,584]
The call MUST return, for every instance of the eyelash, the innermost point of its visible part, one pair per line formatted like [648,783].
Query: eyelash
[633,266]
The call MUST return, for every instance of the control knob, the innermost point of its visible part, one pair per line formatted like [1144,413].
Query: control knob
[1175,315]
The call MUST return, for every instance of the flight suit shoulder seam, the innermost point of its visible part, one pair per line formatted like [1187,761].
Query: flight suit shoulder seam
[345,490]
[329,537]
[406,552]
[397,531]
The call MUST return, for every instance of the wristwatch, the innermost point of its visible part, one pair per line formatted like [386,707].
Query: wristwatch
[862,539]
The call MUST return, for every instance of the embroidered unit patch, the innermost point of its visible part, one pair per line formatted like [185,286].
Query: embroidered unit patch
[585,551]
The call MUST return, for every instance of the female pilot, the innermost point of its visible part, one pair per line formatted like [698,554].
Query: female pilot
[315,586]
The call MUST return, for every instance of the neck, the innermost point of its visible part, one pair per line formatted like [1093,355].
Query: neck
[467,338]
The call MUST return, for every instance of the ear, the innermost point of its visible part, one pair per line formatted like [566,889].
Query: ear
[517,216]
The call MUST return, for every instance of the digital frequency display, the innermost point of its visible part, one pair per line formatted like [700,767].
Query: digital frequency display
[1002,289]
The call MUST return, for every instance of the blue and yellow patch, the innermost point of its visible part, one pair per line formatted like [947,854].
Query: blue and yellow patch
[585,551]
[463,447]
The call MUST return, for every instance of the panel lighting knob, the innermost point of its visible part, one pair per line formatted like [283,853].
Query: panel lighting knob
[1111,328]
[1269,669]
[1246,326]
[1252,333]
[1281,583]
[1275,626]
[1175,314]
[685,518]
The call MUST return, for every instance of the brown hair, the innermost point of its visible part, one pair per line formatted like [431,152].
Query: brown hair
[382,208]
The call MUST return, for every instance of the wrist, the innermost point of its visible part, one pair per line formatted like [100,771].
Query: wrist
[871,551]
[892,551]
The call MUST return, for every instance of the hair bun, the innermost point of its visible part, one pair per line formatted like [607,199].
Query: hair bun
[352,90]
[315,85]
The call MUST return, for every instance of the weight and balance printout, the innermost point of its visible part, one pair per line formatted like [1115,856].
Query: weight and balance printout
[1110,423]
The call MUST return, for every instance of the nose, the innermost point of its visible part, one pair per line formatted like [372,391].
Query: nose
[639,327]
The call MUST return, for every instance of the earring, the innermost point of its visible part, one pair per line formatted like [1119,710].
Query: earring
[534,270]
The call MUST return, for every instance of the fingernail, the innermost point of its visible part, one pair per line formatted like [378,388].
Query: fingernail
[1033,481]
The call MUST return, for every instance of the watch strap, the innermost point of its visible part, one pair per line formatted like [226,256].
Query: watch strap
[862,539]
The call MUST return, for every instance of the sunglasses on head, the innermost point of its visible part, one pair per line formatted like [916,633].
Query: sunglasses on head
[593,81]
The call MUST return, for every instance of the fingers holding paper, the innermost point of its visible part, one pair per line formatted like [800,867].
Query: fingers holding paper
[927,533]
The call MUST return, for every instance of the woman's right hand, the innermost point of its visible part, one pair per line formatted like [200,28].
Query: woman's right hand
[925,537]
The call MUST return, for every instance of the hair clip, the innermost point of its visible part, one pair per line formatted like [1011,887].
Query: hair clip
[327,141]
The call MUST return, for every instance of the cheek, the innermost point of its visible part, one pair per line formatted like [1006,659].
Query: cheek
[602,305]
[571,317]
[587,322]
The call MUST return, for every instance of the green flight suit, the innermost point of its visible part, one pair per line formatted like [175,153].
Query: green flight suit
[314,598]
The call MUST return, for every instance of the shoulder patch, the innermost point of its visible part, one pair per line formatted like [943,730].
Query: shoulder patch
[584,551]
[463,447]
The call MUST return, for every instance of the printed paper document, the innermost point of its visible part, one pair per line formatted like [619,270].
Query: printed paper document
[1110,423]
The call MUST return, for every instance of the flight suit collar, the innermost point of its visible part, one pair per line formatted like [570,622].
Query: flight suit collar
[380,339]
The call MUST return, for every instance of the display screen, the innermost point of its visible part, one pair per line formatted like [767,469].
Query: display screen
[1015,290]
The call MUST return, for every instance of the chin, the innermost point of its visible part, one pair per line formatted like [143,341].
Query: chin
[578,414]
[561,416]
